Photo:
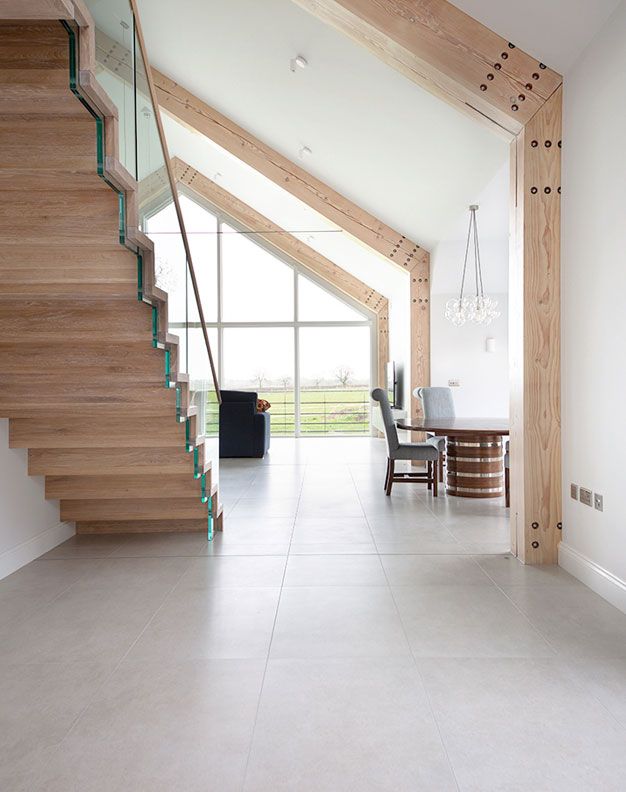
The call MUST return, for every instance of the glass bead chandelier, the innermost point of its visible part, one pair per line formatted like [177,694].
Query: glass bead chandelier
[474,308]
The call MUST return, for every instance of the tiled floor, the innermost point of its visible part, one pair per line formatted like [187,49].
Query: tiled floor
[331,640]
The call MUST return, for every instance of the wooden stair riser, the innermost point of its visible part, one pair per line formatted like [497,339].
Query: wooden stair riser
[109,461]
[66,389]
[60,217]
[139,509]
[130,485]
[198,526]
[47,320]
[133,361]
[106,433]
[75,160]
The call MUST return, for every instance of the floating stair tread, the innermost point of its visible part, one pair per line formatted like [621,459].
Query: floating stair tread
[129,485]
[107,433]
[137,509]
[197,526]
[109,461]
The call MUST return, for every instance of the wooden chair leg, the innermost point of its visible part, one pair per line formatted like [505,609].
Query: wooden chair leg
[387,475]
[507,487]
[430,474]
[435,482]
[392,465]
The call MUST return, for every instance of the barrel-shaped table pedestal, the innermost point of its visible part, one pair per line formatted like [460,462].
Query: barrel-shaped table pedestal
[475,466]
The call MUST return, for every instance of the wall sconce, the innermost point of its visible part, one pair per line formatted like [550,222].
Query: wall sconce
[490,344]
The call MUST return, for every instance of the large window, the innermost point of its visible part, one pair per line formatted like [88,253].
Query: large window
[277,330]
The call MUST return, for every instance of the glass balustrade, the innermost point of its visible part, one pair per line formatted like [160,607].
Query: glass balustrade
[122,72]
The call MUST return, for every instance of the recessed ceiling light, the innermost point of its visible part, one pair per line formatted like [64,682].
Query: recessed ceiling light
[299,61]
[305,151]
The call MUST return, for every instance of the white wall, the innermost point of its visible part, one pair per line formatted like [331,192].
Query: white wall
[459,353]
[593,327]
[29,525]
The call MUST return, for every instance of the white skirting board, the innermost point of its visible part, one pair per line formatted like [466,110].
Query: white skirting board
[600,580]
[11,560]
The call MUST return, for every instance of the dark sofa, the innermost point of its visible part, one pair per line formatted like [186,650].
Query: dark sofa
[244,432]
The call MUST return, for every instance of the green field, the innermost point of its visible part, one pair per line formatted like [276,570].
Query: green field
[322,412]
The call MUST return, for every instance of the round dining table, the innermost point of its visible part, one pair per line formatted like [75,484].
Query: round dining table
[474,453]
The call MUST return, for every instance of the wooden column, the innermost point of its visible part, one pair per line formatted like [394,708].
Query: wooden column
[419,274]
[535,336]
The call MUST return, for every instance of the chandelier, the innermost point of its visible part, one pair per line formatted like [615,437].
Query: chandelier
[476,307]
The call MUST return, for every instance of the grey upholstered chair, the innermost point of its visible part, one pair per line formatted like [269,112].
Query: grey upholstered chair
[423,452]
[436,403]
[507,475]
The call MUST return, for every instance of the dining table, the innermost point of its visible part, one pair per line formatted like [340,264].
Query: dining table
[474,453]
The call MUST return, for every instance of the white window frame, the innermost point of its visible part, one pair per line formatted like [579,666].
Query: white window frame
[369,317]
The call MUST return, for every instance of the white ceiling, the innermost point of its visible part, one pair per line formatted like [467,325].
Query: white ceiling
[554,31]
[405,156]
[392,148]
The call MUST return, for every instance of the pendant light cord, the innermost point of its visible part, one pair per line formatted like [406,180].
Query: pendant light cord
[469,233]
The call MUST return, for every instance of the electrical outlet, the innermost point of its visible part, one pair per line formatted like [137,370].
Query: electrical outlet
[573,491]
[585,496]
[454,383]
[598,501]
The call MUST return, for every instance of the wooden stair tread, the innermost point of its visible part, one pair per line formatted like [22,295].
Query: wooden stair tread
[129,485]
[60,432]
[109,461]
[195,525]
[133,509]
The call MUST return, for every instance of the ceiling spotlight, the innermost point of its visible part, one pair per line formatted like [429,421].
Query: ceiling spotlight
[299,62]
[304,152]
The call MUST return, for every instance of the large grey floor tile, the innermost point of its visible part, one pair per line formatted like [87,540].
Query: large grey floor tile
[261,529]
[162,545]
[82,625]
[331,535]
[524,725]
[334,570]
[234,572]
[605,679]
[419,570]
[86,547]
[338,621]
[265,507]
[466,621]
[210,623]
[506,570]
[346,725]
[146,575]
[164,727]
[573,619]
[37,584]
[39,703]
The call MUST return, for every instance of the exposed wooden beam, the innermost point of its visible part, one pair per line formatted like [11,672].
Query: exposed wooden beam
[354,220]
[447,52]
[535,337]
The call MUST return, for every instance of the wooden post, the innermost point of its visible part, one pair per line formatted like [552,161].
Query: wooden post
[535,337]
[420,336]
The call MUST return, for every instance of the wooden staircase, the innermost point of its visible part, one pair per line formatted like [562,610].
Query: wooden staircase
[89,374]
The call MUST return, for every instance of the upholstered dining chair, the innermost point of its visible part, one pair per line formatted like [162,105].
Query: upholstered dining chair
[436,403]
[422,452]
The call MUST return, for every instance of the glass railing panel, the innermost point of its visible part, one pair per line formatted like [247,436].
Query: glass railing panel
[115,59]
[157,215]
